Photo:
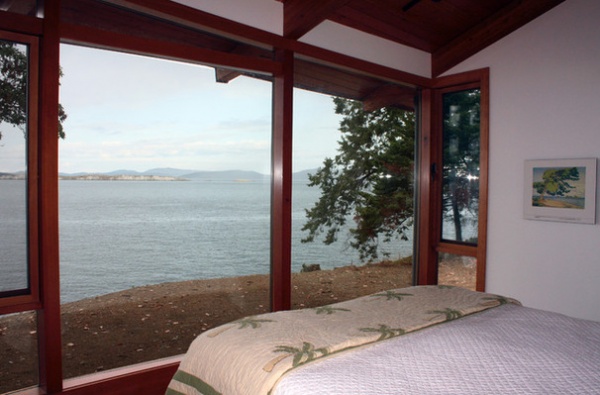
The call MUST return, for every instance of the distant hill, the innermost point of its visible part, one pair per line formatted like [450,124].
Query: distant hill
[123,173]
[13,176]
[121,177]
[198,175]
[227,175]
[168,172]
[303,174]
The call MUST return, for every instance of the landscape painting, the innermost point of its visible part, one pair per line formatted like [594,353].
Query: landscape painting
[560,190]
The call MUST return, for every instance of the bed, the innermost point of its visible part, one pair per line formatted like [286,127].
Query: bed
[417,340]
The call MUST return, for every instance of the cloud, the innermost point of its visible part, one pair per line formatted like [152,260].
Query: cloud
[12,149]
[127,111]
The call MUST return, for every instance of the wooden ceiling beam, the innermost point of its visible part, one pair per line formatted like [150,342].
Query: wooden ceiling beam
[126,26]
[197,19]
[301,16]
[390,96]
[107,17]
[21,23]
[107,26]
[499,25]
[225,75]
[389,25]
[23,7]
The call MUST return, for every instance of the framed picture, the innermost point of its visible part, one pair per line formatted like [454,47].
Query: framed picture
[560,190]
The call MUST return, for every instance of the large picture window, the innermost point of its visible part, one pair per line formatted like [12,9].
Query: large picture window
[164,206]
[461,163]
[156,237]
[460,166]
[453,223]
[460,184]
[18,134]
[353,204]
[18,233]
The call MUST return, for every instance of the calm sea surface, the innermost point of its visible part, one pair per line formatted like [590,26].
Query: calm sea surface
[13,235]
[120,234]
[115,235]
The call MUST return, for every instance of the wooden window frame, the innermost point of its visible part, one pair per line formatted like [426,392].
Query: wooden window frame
[31,299]
[152,377]
[430,149]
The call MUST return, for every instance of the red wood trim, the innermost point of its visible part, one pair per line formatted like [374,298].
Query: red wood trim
[20,23]
[33,196]
[467,80]
[16,304]
[484,159]
[281,173]
[301,16]
[49,334]
[460,79]
[139,45]
[510,18]
[436,181]
[390,95]
[30,301]
[457,249]
[354,64]
[150,378]
[192,17]
[427,261]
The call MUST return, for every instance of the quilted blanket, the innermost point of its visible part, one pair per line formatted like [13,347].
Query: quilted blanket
[250,355]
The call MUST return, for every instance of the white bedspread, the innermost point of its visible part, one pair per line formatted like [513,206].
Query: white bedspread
[248,356]
[506,350]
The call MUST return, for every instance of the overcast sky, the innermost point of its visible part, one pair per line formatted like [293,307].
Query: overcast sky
[138,113]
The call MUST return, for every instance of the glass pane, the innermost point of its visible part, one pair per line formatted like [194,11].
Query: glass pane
[460,168]
[13,168]
[165,206]
[352,199]
[19,351]
[457,270]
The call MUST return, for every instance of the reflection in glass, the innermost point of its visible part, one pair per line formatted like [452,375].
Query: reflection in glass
[13,168]
[460,168]
[457,270]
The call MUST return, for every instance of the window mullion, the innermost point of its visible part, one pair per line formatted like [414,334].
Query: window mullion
[49,327]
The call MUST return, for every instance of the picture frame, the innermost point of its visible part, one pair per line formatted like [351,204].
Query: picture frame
[562,190]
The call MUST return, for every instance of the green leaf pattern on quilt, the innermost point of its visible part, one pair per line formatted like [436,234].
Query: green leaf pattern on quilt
[271,344]
[329,309]
[301,355]
[385,331]
[391,295]
[247,322]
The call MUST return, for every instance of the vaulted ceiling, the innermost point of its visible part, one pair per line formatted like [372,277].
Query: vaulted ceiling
[450,30]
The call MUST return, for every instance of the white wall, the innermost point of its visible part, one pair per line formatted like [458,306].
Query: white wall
[545,103]
[341,39]
[262,14]
[268,15]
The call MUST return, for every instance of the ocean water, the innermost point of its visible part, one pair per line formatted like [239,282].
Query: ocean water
[13,235]
[115,235]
